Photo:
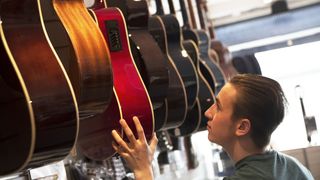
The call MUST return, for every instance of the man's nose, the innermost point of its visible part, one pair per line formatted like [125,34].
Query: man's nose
[208,114]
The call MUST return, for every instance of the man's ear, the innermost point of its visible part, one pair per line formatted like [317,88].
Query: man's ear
[243,127]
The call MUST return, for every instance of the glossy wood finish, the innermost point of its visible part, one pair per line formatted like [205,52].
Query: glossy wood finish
[177,52]
[223,56]
[193,34]
[132,94]
[177,97]
[206,94]
[204,46]
[90,70]
[205,68]
[148,57]
[39,115]
[180,57]
[203,42]
[95,139]
[195,119]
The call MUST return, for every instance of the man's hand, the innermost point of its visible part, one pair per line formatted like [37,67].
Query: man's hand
[138,153]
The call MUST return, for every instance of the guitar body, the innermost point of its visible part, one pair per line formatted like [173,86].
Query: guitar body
[195,118]
[206,94]
[132,94]
[37,104]
[89,65]
[148,57]
[208,73]
[153,67]
[204,46]
[220,52]
[177,97]
[181,59]
[95,139]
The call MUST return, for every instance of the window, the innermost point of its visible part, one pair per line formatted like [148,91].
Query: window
[291,66]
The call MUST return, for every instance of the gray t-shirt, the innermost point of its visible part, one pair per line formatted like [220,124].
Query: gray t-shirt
[270,166]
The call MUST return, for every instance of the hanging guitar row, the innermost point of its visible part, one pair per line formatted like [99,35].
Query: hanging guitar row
[69,73]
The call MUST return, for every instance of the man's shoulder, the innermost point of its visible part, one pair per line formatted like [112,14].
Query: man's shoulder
[271,165]
[249,173]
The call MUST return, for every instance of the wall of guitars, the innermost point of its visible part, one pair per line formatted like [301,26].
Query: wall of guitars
[69,70]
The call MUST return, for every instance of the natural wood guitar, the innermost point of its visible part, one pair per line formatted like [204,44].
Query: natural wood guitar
[89,65]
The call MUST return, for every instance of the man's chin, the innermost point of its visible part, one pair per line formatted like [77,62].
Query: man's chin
[211,139]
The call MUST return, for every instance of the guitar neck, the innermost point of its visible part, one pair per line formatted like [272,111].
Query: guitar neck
[192,161]
[210,26]
[203,24]
[192,16]
[159,7]
[185,16]
[171,7]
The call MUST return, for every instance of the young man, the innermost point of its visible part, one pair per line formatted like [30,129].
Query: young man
[247,110]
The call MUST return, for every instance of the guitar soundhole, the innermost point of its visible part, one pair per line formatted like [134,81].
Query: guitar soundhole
[113,35]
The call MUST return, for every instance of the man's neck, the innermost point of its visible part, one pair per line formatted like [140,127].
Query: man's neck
[243,149]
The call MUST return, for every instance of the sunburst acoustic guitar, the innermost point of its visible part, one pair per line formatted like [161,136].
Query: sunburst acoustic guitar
[80,44]
[39,114]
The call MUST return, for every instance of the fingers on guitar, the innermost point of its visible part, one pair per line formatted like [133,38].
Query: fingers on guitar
[139,129]
[128,131]
[119,141]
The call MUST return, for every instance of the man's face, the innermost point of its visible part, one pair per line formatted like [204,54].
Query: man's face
[220,125]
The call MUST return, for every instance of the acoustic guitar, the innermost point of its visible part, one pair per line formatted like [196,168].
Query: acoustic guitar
[38,107]
[177,97]
[224,61]
[221,53]
[88,64]
[148,57]
[206,95]
[193,118]
[89,67]
[181,59]
[132,95]
[204,46]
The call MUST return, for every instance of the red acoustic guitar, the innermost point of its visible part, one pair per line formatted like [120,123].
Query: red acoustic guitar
[148,57]
[131,93]
[39,115]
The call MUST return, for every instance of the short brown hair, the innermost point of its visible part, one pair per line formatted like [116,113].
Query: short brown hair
[262,101]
